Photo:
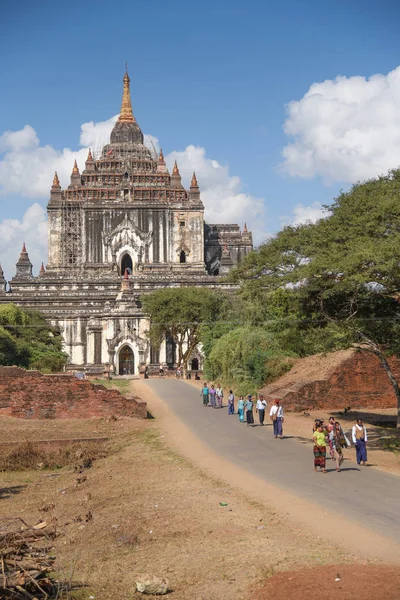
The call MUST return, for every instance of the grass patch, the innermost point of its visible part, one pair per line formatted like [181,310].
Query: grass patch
[30,456]
[391,443]
[122,385]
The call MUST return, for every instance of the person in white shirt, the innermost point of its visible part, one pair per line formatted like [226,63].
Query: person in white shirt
[260,409]
[277,418]
[220,395]
[360,437]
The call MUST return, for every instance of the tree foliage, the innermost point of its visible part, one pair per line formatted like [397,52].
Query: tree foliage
[179,314]
[343,272]
[247,357]
[27,340]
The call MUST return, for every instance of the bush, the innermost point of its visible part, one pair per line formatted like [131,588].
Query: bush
[247,357]
[27,340]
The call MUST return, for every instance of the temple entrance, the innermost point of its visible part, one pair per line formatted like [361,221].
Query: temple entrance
[126,361]
[182,257]
[195,364]
[126,263]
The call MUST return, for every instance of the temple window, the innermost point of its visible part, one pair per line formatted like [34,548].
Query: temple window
[182,224]
[126,264]
[182,257]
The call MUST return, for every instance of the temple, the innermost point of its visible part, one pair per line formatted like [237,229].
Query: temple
[123,227]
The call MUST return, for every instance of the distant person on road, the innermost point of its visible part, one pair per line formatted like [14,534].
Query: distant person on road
[231,403]
[337,442]
[213,393]
[360,438]
[261,407]
[205,394]
[220,395]
[319,438]
[241,409]
[330,429]
[277,418]
[249,410]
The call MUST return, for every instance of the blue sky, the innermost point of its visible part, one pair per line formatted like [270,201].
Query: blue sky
[217,75]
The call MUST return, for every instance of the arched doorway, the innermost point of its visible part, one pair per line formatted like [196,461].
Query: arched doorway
[126,263]
[195,364]
[182,257]
[126,361]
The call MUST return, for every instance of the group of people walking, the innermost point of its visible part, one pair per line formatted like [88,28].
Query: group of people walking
[213,397]
[331,435]
[326,436]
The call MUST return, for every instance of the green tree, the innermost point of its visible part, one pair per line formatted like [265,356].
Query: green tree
[247,357]
[179,313]
[27,340]
[343,272]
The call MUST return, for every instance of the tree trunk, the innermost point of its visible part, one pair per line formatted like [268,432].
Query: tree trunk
[376,350]
[191,345]
[180,343]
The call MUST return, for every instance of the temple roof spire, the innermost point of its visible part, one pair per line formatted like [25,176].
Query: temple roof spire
[194,183]
[56,181]
[75,168]
[24,265]
[126,115]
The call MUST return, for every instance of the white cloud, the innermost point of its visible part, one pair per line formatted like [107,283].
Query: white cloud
[17,140]
[32,230]
[308,214]
[222,194]
[96,135]
[345,130]
[27,169]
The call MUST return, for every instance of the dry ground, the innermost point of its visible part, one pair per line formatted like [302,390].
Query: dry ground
[146,508]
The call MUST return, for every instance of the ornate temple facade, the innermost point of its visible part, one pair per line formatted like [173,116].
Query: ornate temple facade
[124,227]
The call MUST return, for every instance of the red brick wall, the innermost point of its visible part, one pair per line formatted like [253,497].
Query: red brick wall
[32,395]
[359,382]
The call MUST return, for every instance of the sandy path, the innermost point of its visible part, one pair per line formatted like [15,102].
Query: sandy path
[359,540]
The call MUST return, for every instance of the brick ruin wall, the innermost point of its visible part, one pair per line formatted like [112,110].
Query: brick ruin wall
[359,382]
[32,395]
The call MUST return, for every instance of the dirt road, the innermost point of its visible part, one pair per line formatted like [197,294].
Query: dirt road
[359,495]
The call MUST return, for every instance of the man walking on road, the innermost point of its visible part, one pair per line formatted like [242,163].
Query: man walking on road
[249,411]
[359,435]
[205,394]
[260,409]
[276,416]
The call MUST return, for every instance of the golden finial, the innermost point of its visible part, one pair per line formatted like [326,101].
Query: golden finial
[23,251]
[175,170]
[126,115]
[161,157]
[42,269]
[193,183]
[89,156]
[56,181]
[245,228]
[75,169]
